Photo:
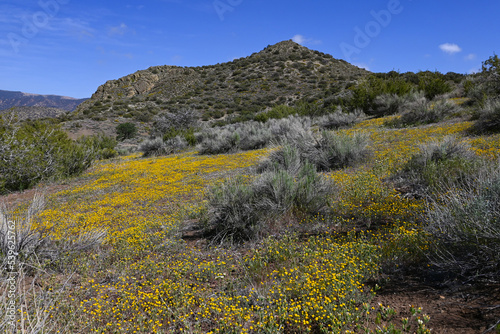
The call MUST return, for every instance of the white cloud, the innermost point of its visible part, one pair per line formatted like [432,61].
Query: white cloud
[450,48]
[300,39]
[117,30]
[470,56]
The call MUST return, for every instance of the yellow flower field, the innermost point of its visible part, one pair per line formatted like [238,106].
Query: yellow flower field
[146,279]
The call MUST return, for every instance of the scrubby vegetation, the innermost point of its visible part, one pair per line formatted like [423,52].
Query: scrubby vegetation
[34,151]
[125,131]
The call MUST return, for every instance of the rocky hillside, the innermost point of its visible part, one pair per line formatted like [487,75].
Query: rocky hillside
[9,99]
[25,113]
[279,74]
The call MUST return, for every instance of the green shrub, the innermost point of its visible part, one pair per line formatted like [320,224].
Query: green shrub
[488,118]
[188,134]
[433,84]
[277,112]
[36,151]
[125,131]
[102,145]
[364,94]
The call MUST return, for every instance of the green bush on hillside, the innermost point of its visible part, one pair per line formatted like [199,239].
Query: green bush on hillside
[484,85]
[36,151]
[102,145]
[125,131]
[433,84]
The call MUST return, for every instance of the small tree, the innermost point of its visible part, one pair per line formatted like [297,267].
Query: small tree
[491,65]
[125,131]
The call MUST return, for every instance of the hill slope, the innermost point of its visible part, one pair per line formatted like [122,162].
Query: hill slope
[281,73]
[24,113]
[9,99]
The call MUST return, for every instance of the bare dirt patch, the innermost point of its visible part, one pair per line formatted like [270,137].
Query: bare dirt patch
[453,308]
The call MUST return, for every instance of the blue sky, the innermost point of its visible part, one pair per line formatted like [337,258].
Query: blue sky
[70,47]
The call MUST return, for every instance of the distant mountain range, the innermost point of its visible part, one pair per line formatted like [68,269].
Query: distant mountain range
[9,99]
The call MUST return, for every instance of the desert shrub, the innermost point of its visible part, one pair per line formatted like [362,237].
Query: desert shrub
[277,112]
[445,108]
[153,147]
[312,190]
[231,215]
[488,118]
[252,137]
[182,119]
[239,211]
[466,223]
[327,151]
[448,161]
[125,131]
[176,144]
[34,242]
[365,93]
[423,112]
[281,191]
[102,145]
[36,151]
[276,190]
[433,84]
[249,135]
[485,85]
[287,158]
[388,104]
[291,127]
[339,119]
[217,141]
[338,150]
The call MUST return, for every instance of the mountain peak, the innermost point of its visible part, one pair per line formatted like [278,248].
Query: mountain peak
[279,74]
